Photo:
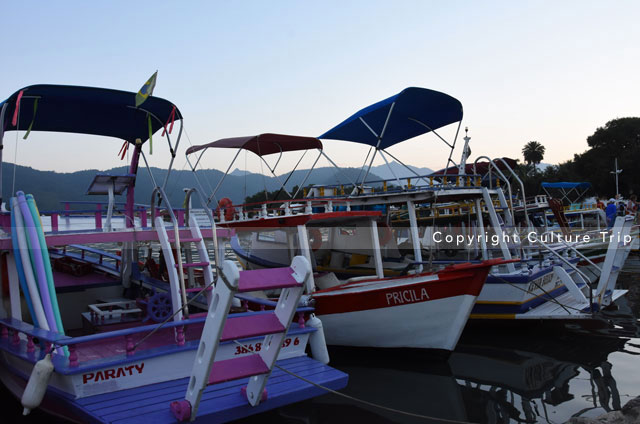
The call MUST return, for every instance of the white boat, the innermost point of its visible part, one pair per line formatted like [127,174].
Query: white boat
[415,309]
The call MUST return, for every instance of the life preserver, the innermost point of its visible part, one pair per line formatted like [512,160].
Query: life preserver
[226,206]
[384,233]
[315,239]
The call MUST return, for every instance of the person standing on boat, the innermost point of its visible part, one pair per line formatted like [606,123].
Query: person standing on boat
[621,205]
[611,211]
[632,205]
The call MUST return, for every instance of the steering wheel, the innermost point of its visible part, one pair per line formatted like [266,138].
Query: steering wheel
[159,307]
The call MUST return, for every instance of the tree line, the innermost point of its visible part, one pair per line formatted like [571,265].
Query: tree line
[618,138]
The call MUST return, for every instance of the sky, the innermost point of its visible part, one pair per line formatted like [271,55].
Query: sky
[541,70]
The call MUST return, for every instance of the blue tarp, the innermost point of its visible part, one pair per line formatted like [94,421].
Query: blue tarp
[566,185]
[87,110]
[432,108]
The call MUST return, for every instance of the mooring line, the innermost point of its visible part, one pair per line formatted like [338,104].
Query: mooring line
[362,401]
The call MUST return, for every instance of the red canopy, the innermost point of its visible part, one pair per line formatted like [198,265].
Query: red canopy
[481,167]
[263,144]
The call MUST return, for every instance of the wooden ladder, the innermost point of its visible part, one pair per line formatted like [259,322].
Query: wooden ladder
[221,327]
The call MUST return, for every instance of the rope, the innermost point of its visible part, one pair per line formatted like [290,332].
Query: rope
[152,332]
[362,401]
[553,299]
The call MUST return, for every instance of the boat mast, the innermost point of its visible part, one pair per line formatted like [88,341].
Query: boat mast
[466,152]
[617,172]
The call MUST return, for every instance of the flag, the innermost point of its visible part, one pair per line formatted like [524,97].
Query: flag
[146,90]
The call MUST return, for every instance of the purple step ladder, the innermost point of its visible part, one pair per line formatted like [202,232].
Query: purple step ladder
[219,327]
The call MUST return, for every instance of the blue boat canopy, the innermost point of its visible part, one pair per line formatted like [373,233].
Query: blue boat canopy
[566,185]
[86,110]
[415,111]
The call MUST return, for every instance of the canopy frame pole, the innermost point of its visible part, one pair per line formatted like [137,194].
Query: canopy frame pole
[277,178]
[173,153]
[193,168]
[171,148]
[417,121]
[380,137]
[290,173]
[403,164]
[153,180]
[272,170]
[2,113]
[215,190]
[455,139]
[452,146]
[389,166]
[304,180]
[363,165]
[337,167]
[200,186]
[279,157]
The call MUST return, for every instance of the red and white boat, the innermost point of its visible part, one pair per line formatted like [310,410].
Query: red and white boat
[395,308]
[426,310]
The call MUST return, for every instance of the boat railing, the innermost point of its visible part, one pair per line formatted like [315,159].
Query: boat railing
[570,265]
[92,255]
[537,201]
[430,181]
[11,330]
[98,213]
[581,207]
[218,255]
[226,213]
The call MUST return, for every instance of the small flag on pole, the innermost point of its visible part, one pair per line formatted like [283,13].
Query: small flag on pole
[146,90]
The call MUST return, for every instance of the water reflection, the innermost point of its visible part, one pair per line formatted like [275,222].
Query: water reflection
[516,374]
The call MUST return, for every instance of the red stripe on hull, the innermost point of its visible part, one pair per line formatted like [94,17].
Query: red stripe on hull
[450,283]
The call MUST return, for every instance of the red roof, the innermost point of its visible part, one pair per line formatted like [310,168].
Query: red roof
[263,144]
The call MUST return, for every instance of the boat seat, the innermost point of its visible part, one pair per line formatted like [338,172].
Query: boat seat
[327,280]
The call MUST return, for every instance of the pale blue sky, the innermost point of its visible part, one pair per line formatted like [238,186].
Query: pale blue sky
[548,71]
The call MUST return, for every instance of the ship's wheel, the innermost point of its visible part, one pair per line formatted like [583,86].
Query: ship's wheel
[159,307]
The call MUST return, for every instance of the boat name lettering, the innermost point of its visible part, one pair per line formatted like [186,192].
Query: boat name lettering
[111,373]
[406,296]
[540,282]
[250,347]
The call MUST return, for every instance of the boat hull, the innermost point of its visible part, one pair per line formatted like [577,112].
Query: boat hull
[422,311]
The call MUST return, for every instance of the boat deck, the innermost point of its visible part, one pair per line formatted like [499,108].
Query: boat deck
[220,402]
[558,309]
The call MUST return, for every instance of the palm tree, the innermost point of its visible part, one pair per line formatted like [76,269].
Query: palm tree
[533,152]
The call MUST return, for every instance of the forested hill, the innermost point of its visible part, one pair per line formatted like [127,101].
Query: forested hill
[618,139]
[50,188]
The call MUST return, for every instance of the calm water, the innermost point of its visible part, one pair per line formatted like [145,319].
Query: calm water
[524,374]
[520,374]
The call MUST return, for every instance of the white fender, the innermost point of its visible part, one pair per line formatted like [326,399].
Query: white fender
[317,342]
[37,385]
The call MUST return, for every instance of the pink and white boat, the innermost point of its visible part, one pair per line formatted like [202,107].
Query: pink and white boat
[146,356]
